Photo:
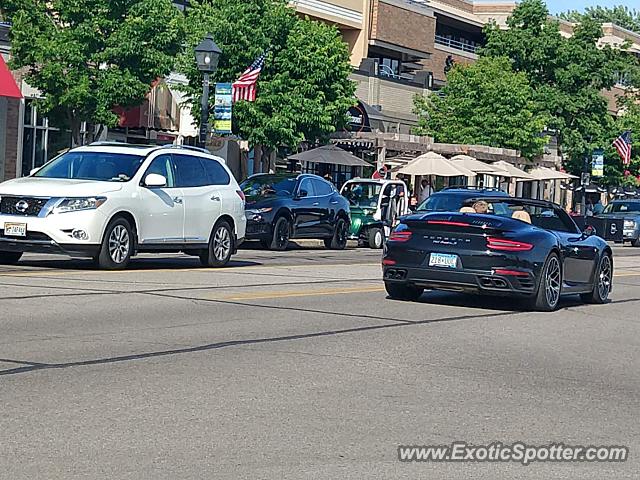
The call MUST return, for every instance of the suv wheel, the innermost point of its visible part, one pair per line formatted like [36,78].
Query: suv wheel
[117,245]
[281,234]
[340,234]
[220,246]
[9,258]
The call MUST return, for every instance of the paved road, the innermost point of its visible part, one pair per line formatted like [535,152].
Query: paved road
[294,365]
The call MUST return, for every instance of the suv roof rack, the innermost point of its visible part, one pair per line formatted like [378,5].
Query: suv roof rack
[187,147]
[117,144]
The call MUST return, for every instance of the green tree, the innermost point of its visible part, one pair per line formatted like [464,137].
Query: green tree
[303,91]
[484,103]
[88,56]
[567,75]
[620,15]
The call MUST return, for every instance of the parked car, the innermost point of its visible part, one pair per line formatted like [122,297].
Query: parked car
[629,212]
[375,206]
[280,207]
[112,201]
[536,252]
[451,199]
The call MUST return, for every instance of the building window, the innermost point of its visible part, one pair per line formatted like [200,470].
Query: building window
[41,142]
[389,67]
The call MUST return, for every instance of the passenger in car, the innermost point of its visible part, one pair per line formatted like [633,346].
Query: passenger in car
[481,207]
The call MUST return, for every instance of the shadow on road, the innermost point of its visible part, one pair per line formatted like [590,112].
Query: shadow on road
[160,263]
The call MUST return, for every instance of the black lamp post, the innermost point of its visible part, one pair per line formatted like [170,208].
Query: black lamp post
[207,56]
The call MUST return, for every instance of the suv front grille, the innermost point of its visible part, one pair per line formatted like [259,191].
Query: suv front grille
[8,205]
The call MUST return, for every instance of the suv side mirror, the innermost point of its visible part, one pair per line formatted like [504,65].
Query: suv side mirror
[589,231]
[302,193]
[154,180]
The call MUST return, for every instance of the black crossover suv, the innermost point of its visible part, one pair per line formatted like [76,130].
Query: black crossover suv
[526,248]
[280,207]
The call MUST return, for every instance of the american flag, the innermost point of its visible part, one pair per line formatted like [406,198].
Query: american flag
[623,146]
[245,87]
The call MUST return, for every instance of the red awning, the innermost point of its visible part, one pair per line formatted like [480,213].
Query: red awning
[8,87]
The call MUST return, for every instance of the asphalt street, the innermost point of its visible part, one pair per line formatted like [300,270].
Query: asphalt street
[295,365]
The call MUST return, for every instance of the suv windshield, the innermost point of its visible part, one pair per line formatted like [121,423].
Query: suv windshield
[101,166]
[268,185]
[364,195]
[620,207]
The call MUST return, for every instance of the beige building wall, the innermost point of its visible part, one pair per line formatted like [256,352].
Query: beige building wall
[351,17]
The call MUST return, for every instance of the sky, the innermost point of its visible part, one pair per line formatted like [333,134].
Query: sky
[557,6]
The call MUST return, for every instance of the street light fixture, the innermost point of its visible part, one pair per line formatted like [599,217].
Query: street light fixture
[207,56]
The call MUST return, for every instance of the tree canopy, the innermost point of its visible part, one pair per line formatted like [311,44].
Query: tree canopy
[88,56]
[303,92]
[620,15]
[484,103]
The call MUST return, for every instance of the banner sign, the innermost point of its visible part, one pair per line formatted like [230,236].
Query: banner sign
[597,163]
[222,108]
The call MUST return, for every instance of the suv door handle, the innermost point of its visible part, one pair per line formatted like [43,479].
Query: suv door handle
[315,204]
[215,198]
[334,202]
[177,199]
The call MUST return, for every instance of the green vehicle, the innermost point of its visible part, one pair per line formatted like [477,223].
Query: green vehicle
[375,206]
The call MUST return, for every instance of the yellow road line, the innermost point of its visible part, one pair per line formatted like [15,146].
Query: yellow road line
[229,269]
[269,295]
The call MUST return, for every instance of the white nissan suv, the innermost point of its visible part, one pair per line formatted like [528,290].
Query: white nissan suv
[110,201]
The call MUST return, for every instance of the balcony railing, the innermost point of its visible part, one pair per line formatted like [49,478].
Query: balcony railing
[457,44]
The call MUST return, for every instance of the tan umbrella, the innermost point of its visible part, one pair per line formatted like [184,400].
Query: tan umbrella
[508,170]
[475,165]
[432,163]
[544,174]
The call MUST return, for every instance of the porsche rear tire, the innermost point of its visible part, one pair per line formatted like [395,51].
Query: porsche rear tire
[397,291]
[550,285]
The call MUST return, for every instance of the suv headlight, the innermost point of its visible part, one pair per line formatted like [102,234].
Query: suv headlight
[77,204]
[629,224]
[258,211]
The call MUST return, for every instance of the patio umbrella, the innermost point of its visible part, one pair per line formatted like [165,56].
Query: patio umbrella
[330,154]
[508,170]
[544,173]
[475,165]
[432,163]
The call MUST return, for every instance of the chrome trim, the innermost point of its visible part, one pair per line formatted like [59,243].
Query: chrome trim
[49,206]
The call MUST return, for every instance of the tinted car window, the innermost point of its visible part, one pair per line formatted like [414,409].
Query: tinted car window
[620,207]
[442,203]
[216,174]
[322,188]
[191,172]
[550,219]
[162,165]
[268,185]
[307,184]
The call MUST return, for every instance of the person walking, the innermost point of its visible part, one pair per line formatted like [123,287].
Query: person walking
[425,189]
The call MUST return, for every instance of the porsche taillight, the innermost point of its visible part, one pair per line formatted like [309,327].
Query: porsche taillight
[494,243]
[400,236]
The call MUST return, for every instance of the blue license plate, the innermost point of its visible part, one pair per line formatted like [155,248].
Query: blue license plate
[444,260]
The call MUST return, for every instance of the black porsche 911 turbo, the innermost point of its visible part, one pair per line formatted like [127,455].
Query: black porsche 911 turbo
[526,248]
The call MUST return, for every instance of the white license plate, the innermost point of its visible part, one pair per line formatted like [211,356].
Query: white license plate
[446,260]
[15,229]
